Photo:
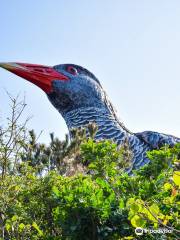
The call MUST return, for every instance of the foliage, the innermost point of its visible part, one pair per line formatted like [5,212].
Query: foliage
[42,198]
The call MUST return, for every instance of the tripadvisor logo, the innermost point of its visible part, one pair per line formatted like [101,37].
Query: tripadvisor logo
[139,231]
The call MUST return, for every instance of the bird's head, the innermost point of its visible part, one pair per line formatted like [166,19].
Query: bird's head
[68,86]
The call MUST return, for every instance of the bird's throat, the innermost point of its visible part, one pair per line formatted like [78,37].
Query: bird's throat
[108,127]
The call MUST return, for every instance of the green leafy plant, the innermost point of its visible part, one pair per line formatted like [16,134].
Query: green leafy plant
[80,190]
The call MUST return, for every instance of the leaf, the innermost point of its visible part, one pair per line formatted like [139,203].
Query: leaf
[21,227]
[165,221]
[129,238]
[121,203]
[55,191]
[153,212]
[176,178]
[154,209]
[101,182]
[92,166]
[14,218]
[137,221]
[134,207]
[7,226]
[129,202]
[34,225]
[167,186]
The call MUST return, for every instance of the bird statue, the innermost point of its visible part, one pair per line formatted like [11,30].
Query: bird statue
[79,97]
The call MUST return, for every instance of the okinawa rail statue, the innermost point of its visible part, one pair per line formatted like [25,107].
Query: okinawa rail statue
[79,97]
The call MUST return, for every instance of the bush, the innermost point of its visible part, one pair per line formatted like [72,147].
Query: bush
[39,199]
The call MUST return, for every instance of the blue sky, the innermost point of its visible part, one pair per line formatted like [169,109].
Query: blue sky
[133,47]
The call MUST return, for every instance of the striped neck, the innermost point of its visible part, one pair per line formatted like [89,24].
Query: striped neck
[108,126]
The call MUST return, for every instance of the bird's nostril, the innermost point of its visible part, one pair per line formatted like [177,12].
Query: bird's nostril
[48,70]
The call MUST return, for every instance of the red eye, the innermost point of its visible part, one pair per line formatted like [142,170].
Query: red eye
[72,70]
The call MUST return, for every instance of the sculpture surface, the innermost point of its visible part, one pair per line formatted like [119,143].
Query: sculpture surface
[79,97]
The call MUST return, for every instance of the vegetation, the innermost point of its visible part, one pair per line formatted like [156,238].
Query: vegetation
[80,190]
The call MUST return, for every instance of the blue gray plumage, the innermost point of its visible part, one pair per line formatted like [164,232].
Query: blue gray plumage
[83,100]
[79,97]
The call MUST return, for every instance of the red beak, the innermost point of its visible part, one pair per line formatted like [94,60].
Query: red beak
[41,76]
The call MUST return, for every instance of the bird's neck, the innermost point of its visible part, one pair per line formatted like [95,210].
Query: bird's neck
[108,126]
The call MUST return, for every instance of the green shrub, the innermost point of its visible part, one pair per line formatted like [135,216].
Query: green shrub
[107,204]
[39,199]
